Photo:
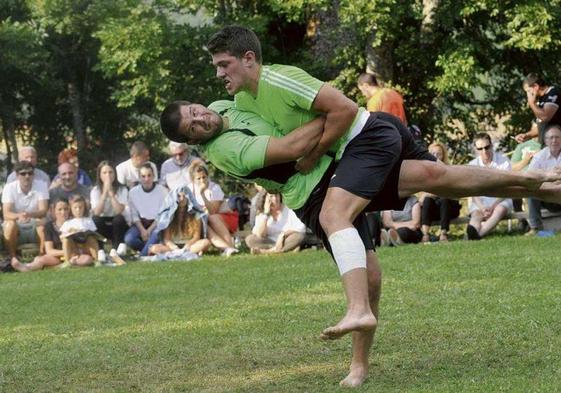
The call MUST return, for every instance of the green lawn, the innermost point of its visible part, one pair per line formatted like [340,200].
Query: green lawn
[478,317]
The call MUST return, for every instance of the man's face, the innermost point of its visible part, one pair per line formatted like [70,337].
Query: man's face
[484,149]
[68,175]
[232,70]
[199,124]
[29,156]
[363,87]
[534,89]
[553,140]
[179,155]
[25,177]
[140,158]
[146,177]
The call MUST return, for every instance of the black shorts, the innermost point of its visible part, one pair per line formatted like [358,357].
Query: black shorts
[370,164]
[369,168]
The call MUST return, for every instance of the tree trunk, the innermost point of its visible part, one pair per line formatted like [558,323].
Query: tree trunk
[9,131]
[75,99]
[427,25]
[379,60]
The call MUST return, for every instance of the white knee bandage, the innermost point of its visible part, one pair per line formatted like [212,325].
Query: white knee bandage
[348,250]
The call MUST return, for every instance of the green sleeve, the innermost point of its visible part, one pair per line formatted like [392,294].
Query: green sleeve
[295,86]
[236,153]
[517,155]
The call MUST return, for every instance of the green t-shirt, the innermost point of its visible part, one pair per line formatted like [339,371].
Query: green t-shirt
[240,152]
[285,96]
[529,146]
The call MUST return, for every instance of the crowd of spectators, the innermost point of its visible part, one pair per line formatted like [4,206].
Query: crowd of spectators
[132,209]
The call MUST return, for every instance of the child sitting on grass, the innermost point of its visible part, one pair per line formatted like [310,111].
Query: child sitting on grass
[79,237]
[184,230]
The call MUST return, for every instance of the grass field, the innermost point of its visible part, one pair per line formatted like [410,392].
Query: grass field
[458,317]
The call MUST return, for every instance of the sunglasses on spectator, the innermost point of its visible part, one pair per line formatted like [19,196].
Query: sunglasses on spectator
[25,173]
[483,147]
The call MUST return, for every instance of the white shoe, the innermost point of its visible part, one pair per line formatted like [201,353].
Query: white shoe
[384,238]
[229,251]
[395,240]
[122,249]
[101,257]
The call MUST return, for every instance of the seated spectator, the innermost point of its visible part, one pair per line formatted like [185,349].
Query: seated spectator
[520,160]
[70,156]
[434,207]
[108,199]
[54,255]
[68,184]
[222,222]
[277,228]
[181,224]
[79,237]
[145,201]
[545,159]
[128,172]
[402,226]
[486,212]
[29,154]
[25,204]
[175,170]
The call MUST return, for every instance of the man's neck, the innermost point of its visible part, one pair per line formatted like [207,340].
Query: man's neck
[253,83]
[25,188]
[555,153]
[225,123]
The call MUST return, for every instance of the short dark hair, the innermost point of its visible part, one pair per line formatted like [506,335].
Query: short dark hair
[235,40]
[369,79]
[138,147]
[22,166]
[534,79]
[482,135]
[552,127]
[170,121]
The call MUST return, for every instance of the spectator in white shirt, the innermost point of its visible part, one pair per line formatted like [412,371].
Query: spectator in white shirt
[486,212]
[29,154]
[175,170]
[277,228]
[145,201]
[545,159]
[222,222]
[25,208]
[108,199]
[128,172]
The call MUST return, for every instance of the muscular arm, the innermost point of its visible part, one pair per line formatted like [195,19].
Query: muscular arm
[545,113]
[340,112]
[295,144]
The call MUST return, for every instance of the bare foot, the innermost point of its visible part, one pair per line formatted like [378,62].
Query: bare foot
[17,265]
[348,324]
[355,378]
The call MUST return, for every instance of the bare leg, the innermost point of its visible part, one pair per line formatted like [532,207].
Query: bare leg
[217,224]
[362,341]
[40,229]
[92,247]
[456,181]
[488,225]
[11,232]
[200,246]
[159,249]
[339,210]
[216,240]
[38,263]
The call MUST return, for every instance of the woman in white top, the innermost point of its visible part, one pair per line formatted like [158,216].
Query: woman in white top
[221,221]
[108,199]
[277,228]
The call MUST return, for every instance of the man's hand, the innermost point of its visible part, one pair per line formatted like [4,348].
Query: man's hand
[144,234]
[24,217]
[521,138]
[306,164]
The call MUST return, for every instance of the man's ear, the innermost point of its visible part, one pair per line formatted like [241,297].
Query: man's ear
[248,58]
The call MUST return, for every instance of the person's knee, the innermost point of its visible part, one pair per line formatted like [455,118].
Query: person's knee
[10,228]
[330,219]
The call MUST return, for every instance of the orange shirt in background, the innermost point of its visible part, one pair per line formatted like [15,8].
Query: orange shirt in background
[389,101]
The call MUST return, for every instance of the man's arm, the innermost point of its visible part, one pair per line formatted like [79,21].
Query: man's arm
[340,112]
[295,144]
[545,113]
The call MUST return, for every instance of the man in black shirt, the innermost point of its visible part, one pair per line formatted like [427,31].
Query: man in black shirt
[544,100]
